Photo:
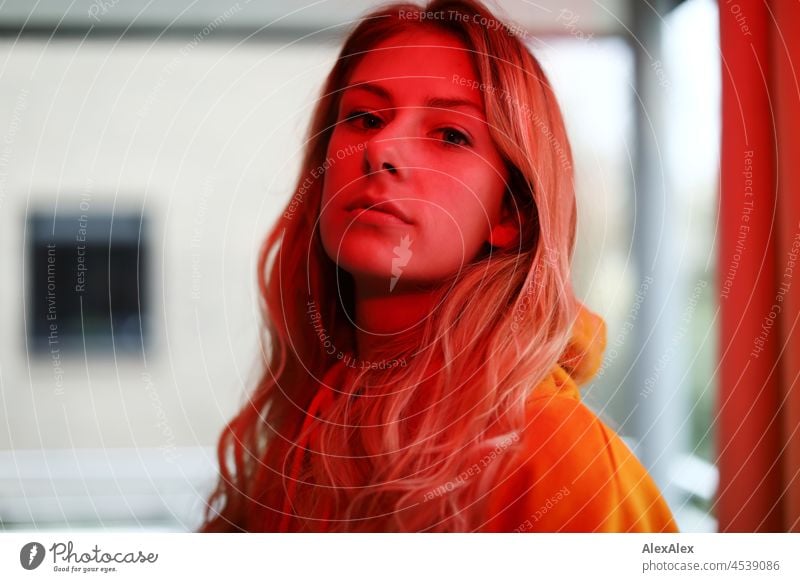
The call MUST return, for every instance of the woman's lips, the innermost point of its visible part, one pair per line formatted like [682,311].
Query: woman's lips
[377,216]
[378,210]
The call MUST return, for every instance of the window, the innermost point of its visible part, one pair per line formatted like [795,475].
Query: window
[87,282]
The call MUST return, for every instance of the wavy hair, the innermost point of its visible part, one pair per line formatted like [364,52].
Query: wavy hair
[394,436]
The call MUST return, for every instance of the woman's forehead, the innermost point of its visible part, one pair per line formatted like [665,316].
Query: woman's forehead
[418,53]
[419,61]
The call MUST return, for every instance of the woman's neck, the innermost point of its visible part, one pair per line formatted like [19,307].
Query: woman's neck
[385,317]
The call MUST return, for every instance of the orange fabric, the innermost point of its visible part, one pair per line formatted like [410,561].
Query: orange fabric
[571,472]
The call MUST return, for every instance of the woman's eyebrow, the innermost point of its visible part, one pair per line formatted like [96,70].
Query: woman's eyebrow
[432,102]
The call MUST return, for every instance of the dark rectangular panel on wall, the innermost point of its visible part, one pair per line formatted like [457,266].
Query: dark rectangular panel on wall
[86,282]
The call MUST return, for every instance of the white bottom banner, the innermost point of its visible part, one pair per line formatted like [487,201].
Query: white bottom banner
[398,557]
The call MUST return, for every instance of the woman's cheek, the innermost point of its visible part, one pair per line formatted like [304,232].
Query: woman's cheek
[327,233]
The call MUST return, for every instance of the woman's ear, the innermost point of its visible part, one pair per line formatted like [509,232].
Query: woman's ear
[505,233]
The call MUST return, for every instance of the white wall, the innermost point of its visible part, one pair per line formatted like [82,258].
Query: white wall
[204,139]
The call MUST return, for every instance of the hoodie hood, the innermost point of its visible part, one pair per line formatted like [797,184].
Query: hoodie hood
[582,357]
[579,361]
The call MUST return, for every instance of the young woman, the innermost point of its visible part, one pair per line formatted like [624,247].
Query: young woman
[424,345]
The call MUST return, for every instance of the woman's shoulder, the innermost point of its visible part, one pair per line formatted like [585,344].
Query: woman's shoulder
[573,473]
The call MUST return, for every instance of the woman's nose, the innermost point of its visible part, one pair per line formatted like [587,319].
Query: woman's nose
[380,157]
[387,151]
[389,168]
[370,166]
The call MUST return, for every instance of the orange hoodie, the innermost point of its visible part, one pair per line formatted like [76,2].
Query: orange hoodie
[571,472]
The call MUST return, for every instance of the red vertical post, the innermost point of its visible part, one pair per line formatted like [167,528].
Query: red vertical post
[749,429]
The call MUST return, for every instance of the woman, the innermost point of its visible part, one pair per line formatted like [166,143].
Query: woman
[425,346]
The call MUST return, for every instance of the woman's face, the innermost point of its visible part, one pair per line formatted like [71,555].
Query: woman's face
[414,185]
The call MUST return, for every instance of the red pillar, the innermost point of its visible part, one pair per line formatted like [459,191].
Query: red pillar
[749,430]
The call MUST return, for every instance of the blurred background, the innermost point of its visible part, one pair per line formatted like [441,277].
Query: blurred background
[148,147]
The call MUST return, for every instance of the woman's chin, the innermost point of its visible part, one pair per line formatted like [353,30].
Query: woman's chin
[367,272]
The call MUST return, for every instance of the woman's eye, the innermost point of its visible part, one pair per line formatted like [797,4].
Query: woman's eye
[366,120]
[363,119]
[454,137]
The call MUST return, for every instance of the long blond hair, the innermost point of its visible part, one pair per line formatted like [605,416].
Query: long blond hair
[395,437]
